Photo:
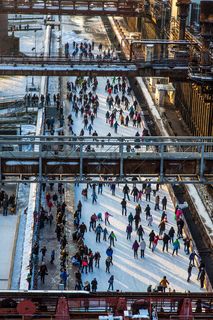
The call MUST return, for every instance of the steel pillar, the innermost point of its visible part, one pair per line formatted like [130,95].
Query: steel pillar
[183,10]
[3,30]
[186,310]
[8,44]
[206,31]
[62,310]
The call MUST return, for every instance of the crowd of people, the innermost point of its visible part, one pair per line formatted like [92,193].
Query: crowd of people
[7,203]
[51,213]
[122,110]
[89,51]
[170,238]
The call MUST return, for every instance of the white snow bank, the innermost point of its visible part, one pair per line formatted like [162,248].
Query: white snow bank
[200,209]
[28,236]
[20,163]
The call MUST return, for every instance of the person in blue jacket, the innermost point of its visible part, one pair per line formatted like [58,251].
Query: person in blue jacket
[109,252]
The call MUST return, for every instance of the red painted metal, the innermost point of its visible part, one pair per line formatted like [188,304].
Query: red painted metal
[186,310]
[26,307]
[121,306]
[62,310]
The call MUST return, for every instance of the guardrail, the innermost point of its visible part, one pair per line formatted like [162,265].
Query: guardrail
[121,157]
[87,7]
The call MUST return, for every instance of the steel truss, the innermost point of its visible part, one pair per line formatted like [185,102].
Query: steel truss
[84,305]
[77,159]
[73,7]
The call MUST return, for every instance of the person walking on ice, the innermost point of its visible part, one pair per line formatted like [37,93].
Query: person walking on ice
[105,233]
[164,283]
[142,247]
[108,263]
[98,231]
[106,217]
[111,283]
[94,197]
[123,206]
[116,126]
[128,232]
[112,238]
[135,247]
[130,218]
[164,203]
[189,272]
[140,232]
[176,247]
[109,253]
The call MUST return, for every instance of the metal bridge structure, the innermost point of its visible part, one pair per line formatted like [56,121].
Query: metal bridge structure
[121,159]
[65,305]
[65,67]
[73,7]
[167,58]
[176,67]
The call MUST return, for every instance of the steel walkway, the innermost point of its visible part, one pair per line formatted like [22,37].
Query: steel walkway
[73,7]
[173,159]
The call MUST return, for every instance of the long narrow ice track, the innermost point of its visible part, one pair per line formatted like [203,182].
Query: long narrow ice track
[130,274]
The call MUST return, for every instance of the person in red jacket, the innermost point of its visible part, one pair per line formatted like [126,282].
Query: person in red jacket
[48,197]
[155,242]
[50,205]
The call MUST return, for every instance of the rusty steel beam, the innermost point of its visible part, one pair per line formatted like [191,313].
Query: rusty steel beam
[48,304]
[181,159]
[183,11]
[132,8]
[174,72]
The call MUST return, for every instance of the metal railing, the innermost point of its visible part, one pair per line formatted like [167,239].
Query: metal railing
[170,158]
[129,8]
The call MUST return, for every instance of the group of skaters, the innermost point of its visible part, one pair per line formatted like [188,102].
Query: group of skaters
[122,110]
[82,94]
[34,99]
[52,210]
[7,203]
[89,51]
[55,125]
[86,259]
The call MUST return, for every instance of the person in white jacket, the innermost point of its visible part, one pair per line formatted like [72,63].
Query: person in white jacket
[150,220]
[142,247]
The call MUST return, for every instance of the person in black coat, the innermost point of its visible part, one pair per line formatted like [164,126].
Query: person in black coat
[151,238]
[171,234]
[164,202]
[126,192]
[165,239]
[123,205]
[94,284]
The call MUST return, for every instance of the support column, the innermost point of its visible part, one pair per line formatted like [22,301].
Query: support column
[206,31]
[8,44]
[183,10]
[4,27]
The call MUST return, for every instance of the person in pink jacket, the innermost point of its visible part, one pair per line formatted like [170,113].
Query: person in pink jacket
[106,217]
[178,214]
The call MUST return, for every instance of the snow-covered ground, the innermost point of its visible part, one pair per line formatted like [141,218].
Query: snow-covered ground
[12,86]
[22,202]
[7,231]
[131,274]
